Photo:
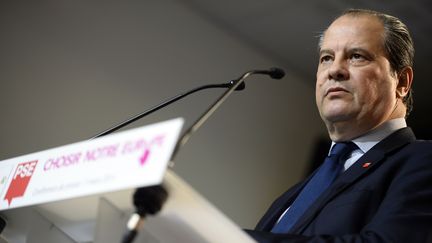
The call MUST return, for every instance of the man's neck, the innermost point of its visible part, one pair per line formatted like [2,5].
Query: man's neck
[347,132]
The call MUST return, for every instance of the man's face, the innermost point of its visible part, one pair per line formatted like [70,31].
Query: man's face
[355,84]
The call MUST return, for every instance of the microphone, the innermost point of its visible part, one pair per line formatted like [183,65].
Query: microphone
[165,103]
[159,192]
[274,73]
[144,206]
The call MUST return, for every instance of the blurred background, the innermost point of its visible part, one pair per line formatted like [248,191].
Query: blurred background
[70,69]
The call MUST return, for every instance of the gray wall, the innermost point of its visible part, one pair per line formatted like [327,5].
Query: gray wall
[69,69]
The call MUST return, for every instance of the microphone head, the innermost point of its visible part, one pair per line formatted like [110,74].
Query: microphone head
[149,200]
[276,73]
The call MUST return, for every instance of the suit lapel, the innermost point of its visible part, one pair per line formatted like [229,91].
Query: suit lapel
[281,205]
[278,207]
[372,159]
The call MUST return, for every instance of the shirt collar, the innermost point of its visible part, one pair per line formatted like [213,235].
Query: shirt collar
[371,138]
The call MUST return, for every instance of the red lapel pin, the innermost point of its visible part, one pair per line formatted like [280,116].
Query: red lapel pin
[367,164]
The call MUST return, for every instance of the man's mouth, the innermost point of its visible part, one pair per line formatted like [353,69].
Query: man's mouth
[335,90]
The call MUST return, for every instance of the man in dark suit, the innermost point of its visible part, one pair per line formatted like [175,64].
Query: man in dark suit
[381,190]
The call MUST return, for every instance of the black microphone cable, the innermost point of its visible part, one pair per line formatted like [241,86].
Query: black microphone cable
[165,103]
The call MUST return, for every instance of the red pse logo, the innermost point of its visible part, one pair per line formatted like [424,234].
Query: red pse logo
[20,180]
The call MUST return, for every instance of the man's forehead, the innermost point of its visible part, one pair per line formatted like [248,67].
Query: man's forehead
[350,23]
[358,18]
[357,31]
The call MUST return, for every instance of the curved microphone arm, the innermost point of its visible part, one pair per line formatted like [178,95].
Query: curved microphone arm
[275,73]
[165,103]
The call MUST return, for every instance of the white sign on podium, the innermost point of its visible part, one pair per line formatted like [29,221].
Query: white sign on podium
[82,192]
[136,157]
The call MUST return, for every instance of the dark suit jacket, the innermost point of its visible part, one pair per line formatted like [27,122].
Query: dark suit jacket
[388,201]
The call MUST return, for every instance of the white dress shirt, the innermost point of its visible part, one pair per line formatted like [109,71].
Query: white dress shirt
[370,139]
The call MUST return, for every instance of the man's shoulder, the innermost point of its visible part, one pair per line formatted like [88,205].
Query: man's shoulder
[422,145]
[402,146]
[417,150]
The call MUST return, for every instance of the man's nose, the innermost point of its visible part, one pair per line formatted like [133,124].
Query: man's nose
[338,70]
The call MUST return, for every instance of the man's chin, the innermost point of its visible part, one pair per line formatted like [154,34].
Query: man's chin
[336,117]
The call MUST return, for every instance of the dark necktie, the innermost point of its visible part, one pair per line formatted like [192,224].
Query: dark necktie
[322,179]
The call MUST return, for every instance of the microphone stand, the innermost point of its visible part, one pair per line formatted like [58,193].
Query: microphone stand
[149,200]
[158,199]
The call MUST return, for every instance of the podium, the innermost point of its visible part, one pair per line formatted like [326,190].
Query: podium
[94,207]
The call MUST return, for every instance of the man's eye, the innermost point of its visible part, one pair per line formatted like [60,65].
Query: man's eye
[357,57]
[326,58]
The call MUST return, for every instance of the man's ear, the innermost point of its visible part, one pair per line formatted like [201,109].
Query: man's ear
[405,79]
